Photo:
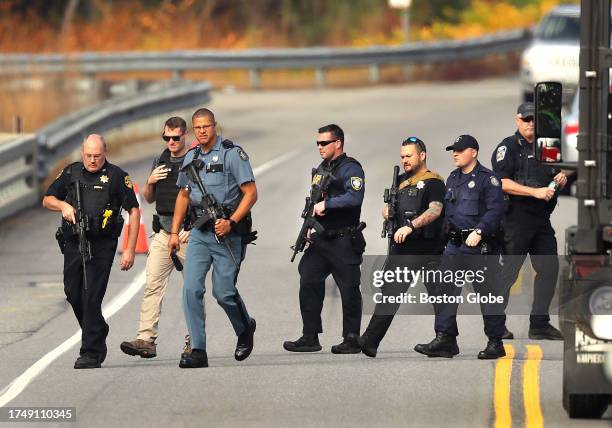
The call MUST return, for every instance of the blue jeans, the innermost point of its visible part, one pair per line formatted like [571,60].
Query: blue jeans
[202,253]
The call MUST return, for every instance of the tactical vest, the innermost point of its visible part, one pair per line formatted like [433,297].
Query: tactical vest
[531,173]
[99,205]
[166,190]
[410,205]
[338,218]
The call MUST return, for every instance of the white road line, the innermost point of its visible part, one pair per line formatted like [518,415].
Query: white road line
[16,387]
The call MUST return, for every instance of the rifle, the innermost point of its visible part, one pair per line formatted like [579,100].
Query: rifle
[82,226]
[211,209]
[316,194]
[390,198]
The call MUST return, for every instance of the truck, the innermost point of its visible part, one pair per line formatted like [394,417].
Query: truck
[585,282]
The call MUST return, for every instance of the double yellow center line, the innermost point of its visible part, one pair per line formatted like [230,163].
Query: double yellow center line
[531,388]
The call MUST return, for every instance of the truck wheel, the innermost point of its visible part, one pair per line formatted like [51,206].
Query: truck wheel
[585,406]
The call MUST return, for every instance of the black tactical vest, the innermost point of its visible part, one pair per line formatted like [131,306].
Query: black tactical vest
[410,205]
[99,203]
[338,218]
[166,190]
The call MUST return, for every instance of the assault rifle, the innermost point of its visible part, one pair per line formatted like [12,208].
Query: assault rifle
[310,222]
[82,226]
[211,209]
[391,199]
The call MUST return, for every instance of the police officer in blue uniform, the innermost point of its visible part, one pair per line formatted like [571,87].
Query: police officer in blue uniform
[337,250]
[417,233]
[105,190]
[531,196]
[227,175]
[474,205]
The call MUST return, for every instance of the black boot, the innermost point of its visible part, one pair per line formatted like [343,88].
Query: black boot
[444,345]
[196,359]
[546,332]
[306,343]
[245,342]
[87,361]
[508,335]
[366,347]
[494,350]
[349,345]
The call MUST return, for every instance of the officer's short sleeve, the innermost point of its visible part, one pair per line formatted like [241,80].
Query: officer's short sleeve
[240,166]
[502,161]
[354,185]
[434,191]
[126,192]
[59,187]
[182,180]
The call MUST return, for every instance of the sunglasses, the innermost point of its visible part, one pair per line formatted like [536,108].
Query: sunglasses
[325,143]
[527,119]
[167,138]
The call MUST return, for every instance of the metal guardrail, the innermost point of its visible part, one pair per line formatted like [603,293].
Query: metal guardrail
[256,60]
[26,160]
[18,177]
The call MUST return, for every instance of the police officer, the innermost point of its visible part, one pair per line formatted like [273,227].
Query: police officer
[417,232]
[530,189]
[337,250]
[160,188]
[228,177]
[105,190]
[474,205]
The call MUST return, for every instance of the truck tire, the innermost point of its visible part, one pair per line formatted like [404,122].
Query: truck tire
[585,406]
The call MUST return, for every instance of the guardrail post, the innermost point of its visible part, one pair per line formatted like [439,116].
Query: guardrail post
[255,78]
[320,77]
[374,73]
[177,75]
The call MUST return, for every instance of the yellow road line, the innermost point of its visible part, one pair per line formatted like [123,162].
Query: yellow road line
[501,393]
[531,388]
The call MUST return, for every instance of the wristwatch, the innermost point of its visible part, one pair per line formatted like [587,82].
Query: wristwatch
[409,224]
[232,222]
[478,232]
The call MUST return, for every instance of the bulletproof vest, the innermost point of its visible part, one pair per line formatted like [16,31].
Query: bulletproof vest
[410,205]
[166,190]
[97,198]
[338,218]
[533,174]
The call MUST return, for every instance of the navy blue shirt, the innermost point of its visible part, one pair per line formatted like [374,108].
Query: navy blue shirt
[474,200]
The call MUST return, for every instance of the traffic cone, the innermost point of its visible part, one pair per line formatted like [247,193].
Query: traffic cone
[142,243]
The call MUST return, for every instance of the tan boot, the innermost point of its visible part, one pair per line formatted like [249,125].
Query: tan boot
[187,346]
[143,348]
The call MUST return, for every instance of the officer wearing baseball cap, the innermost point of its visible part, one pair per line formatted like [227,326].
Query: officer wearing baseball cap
[530,190]
[474,206]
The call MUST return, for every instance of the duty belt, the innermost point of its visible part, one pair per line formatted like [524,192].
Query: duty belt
[338,233]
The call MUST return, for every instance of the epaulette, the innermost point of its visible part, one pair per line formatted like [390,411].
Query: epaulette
[227,144]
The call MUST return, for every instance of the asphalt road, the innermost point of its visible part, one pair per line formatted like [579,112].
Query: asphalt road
[274,387]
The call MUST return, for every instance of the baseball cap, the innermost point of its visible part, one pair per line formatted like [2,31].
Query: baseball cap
[463,142]
[526,110]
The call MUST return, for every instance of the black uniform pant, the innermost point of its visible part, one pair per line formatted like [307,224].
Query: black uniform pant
[322,258]
[87,304]
[463,258]
[531,233]
[385,312]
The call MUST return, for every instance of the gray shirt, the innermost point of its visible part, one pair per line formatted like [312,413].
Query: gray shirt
[225,170]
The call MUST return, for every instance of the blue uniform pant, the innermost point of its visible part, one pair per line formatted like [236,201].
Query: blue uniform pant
[462,257]
[202,253]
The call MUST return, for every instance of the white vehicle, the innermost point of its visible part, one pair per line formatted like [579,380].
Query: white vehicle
[553,53]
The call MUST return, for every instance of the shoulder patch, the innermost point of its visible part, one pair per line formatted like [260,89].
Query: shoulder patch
[494,181]
[242,154]
[501,153]
[356,183]
[128,182]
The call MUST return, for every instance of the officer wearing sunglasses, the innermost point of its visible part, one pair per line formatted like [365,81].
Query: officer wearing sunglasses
[530,190]
[335,250]
[160,188]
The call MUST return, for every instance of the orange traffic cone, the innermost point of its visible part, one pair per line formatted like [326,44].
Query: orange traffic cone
[142,243]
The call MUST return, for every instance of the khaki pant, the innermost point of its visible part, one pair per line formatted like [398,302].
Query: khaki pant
[159,268]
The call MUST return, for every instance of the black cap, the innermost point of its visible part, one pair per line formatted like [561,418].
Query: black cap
[463,142]
[526,110]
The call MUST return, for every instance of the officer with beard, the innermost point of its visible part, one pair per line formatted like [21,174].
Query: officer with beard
[417,232]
